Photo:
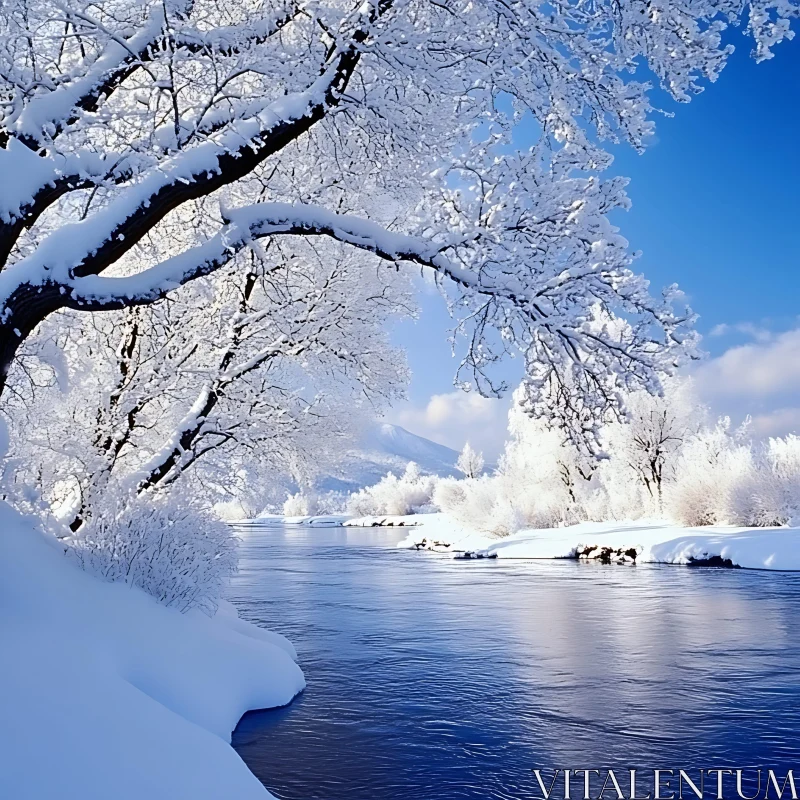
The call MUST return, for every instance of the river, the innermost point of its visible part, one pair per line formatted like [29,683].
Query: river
[434,679]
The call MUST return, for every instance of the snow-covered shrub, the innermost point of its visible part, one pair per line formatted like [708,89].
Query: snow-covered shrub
[301,504]
[756,500]
[181,556]
[410,494]
[363,503]
[472,502]
[450,495]
[714,468]
[783,456]
[495,505]
[768,495]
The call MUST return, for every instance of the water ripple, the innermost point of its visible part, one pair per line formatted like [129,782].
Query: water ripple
[435,679]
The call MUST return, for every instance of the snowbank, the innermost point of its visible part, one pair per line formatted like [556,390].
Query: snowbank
[104,693]
[752,548]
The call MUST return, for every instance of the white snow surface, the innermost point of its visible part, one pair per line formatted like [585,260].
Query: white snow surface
[106,694]
[659,542]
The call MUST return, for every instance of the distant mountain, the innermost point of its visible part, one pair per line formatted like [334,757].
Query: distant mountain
[394,441]
[389,448]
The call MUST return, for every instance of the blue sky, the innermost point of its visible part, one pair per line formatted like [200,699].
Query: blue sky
[715,209]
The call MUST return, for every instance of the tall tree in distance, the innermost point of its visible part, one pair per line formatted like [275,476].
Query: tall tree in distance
[470,462]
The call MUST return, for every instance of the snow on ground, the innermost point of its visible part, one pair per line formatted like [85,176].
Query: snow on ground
[106,694]
[659,542]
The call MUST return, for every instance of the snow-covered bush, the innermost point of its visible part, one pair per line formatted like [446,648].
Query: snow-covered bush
[768,494]
[480,504]
[783,455]
[714,473]
[755,499]
[301,504]
[410,494]
[469,501]
[181,556]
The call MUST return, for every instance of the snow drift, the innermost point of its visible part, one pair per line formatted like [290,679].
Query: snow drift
[104,693]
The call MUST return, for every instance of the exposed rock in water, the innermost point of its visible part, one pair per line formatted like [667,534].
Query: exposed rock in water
[435,545]
[470,554]
[712,561]
[606,555]
[380,522]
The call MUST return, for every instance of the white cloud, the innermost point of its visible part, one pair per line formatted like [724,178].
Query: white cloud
[777,423]
[756,332]
[457,417]
[759,370]
[760,379]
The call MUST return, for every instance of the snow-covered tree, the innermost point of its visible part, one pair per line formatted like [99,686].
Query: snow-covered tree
[649,438]
[263,368]
[542,481]
[145,144]
[663,458]
[470,462]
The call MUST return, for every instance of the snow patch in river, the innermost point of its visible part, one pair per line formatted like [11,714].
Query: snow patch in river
[658,542]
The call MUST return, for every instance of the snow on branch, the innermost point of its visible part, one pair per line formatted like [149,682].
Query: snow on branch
[245,137]
[578,354]
[259,221]
[125,126]
[48,113]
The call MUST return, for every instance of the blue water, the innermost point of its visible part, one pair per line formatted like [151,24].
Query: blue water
[430,678]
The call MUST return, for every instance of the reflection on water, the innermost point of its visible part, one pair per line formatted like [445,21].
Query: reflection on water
[431,678]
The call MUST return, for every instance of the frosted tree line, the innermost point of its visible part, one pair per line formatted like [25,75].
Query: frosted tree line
[667,459]
[208,209]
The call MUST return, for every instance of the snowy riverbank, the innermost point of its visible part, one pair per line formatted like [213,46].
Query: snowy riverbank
[104,693]
[655,542]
